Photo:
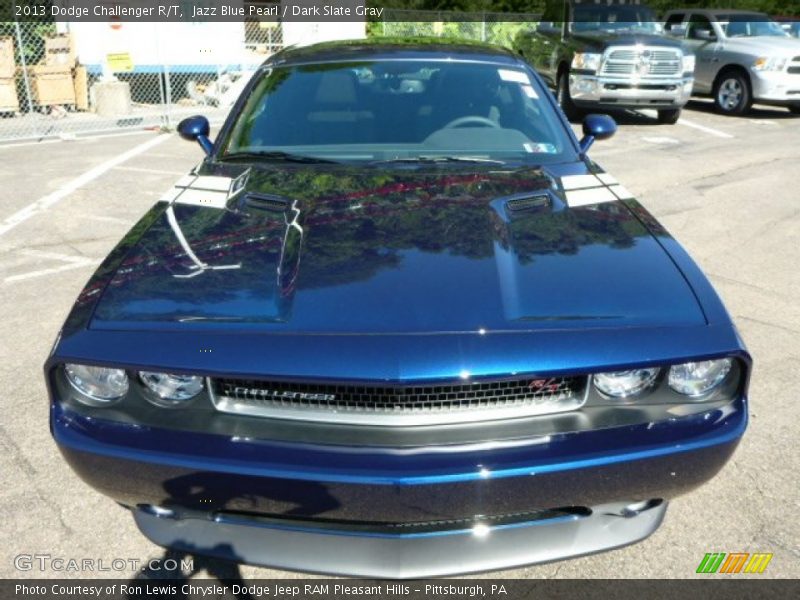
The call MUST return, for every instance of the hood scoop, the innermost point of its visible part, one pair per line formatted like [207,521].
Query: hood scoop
[267,202]
[526,203]
[518,206]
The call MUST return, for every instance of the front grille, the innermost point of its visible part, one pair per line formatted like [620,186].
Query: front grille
[793,70]
[643,62]
[368,404]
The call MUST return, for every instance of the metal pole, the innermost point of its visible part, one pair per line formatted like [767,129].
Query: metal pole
[168,88]
[24,65]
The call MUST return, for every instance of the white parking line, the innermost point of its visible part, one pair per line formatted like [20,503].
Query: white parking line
[662,139]
[708,130]
[31,274]
[49,200]
[72,138]
[107,219]
[155,171]
[52,255]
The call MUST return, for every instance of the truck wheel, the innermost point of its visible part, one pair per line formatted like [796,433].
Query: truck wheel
[669,116]
[732,94]
[565,100]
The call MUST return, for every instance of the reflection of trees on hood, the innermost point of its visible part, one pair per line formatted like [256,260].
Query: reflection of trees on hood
[565,232]
[359,221]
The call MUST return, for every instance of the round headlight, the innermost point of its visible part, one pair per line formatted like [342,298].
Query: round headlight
[100,386]
[698,378]
[171,390]
[621,384]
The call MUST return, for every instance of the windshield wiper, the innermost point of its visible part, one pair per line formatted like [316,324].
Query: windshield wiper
[439,159]
[274,156]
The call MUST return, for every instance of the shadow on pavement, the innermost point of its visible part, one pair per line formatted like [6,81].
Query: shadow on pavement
[163,569]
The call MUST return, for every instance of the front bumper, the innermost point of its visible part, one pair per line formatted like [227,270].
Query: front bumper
[614,92]
[240,498]
[777,88]
[341,551]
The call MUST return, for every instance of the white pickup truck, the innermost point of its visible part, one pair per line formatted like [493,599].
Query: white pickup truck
[742,57]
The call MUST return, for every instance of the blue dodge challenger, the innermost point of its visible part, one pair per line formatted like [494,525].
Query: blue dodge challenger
[397,324]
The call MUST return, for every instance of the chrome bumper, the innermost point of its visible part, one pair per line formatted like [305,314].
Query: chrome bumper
[776,88]
[628,93]
[306,547]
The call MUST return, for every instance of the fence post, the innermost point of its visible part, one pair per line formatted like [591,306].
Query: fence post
[24,64]
[168,91]
[483,26]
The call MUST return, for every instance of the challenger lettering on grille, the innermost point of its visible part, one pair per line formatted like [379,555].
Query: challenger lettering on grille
[262,393]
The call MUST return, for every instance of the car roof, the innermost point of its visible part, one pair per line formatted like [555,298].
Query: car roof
[393,49]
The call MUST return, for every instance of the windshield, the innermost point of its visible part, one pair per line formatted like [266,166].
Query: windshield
[615,19]
[399,110]
[750,25]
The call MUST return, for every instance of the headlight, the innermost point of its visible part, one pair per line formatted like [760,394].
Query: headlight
[100,386]
[698,378]
[586,60]
[621,384]
[688,63]
[171,390]
[766,63]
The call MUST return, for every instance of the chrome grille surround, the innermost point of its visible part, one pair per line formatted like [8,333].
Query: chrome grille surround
[400,405]
[642,61]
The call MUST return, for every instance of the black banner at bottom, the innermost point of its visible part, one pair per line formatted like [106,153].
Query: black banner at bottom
[440,589]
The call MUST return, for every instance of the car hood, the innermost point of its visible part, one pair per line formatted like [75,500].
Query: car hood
[765,45]
[600,40]
[332,249]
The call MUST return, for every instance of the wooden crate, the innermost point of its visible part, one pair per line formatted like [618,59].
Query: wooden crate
[8,95]
[80,82]
[59,50]
[7,66]
[52,85]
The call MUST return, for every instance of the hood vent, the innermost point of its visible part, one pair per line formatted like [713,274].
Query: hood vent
[270,202]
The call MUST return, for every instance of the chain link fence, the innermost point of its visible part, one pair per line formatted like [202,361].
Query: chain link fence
[65,80]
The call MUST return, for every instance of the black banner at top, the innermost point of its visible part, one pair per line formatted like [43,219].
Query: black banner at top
[357,10]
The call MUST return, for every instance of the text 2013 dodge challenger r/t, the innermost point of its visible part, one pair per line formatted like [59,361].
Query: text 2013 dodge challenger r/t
[397,324]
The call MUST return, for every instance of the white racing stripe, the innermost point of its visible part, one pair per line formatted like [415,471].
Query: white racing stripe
[703,128]
[620,192]
[607,178]
[590,196]
[205,190]
[45,202]
[577,182]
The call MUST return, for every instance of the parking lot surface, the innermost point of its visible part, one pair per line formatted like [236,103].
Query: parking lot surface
[726,188]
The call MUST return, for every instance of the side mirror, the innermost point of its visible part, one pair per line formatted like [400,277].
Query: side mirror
[596,127]
[704,34]
[196,129]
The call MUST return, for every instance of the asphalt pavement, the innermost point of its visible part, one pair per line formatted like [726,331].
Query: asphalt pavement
[725,187]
